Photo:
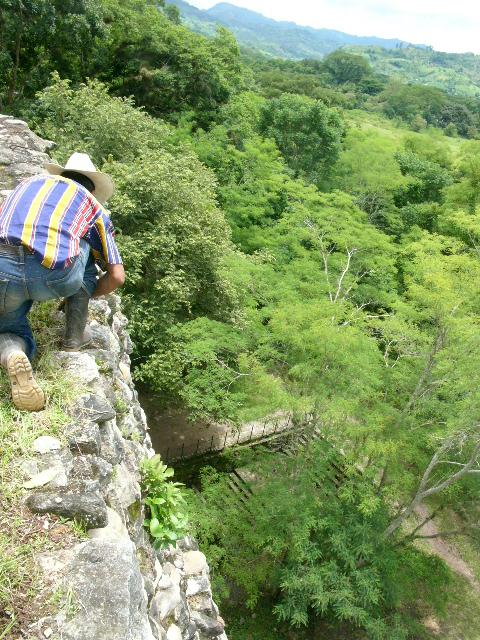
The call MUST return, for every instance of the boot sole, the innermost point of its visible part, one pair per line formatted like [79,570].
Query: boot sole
[26,394]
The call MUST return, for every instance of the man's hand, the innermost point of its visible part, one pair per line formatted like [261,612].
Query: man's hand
[110,281]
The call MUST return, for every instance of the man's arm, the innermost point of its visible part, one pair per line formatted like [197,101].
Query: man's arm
[101,238]
[110,281]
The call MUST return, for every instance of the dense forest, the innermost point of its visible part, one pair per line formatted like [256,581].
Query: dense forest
[299,238]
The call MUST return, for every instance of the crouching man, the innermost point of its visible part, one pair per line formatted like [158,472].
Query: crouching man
[53,231]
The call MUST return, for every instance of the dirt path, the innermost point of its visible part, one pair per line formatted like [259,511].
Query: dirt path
[442,549]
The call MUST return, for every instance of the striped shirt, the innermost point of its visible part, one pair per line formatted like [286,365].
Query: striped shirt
[50,214]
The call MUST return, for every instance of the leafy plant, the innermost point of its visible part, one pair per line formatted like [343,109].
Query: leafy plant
[164,502]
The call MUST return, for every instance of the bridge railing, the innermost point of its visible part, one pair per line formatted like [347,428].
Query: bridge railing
[253,432]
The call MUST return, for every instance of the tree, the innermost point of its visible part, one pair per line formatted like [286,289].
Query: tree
[409,101]
[344,67]
[38,37]
[465,193]
[457,115]
[430,179]
[24,27]
[306,543]
[308,133]
[164,66]
[464,448]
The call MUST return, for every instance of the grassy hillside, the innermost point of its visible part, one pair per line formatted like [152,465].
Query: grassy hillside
[455,73]
[367,161]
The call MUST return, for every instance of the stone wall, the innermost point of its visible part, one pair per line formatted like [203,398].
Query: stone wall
[113,585]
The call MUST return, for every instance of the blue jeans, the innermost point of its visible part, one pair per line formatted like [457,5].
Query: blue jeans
[24,280]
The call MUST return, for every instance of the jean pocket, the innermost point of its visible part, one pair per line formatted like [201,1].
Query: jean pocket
[67,284]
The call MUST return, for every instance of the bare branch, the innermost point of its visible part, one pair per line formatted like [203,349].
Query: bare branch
[424,491]
[422,385]
[440,534]
[350,253]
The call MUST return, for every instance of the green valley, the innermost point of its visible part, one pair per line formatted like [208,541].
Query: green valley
[300,237]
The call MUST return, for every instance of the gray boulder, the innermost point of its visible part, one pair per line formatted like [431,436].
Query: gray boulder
[84,438]
[89,508]
[94,408]
[108,586]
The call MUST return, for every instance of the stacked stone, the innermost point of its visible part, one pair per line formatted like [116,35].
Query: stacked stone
[22,153]
[123,589]
[114,585]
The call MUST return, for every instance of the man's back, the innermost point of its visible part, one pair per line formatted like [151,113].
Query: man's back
[49,215]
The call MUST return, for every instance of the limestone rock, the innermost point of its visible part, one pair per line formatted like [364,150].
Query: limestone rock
[41,479]
[194,562]
[203,603]
[103,337]
[197,584]
[45,444]
[124,390]
[51,469]
[174,632]
[90,473]
[125,371]
[84,438]
[123,490]
[100,310]
[112,447]
[115,531]
[107,361]
[89,508]
[168,596]
[108,585]
[94,408]
[187,544]
[210,627]
[79,365]
[54,562]
[165,602]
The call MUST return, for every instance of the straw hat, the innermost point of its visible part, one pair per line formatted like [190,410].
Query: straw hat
[82,163]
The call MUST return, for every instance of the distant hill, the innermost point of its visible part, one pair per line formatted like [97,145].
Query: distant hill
[279,39]
[455,73]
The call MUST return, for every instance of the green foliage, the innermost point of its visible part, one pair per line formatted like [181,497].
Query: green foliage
[311,548]
[343,67]
[166,67]
[455,73]
[167,520]
[465,193]
[37,37]
[139,48]
[432,105]
[172,236]
[90,120]
[430,180]
[308,133]
[173,239]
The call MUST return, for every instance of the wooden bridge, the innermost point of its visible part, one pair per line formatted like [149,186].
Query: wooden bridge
[217,438]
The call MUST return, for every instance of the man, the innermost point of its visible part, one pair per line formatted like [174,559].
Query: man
[53,230]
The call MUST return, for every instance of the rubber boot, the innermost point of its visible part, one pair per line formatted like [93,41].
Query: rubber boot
[26,394]
[77,335]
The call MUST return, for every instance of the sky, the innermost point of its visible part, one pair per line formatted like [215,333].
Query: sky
[446,25]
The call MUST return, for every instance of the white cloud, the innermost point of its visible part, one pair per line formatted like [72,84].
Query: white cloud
[443,24]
